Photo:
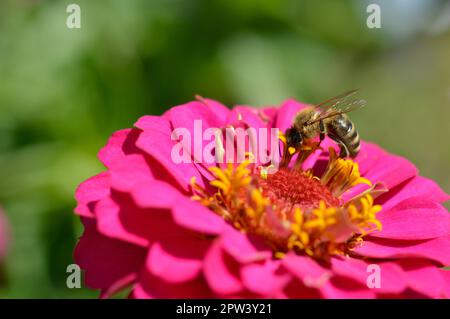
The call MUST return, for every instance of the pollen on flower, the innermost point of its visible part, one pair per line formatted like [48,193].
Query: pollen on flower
[287,188]
[341,174]
[292,209]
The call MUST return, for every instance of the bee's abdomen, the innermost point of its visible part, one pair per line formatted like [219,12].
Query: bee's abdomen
[344,129]
[353,144]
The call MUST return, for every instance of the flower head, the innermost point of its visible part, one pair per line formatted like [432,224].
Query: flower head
[310,228]
[3,236]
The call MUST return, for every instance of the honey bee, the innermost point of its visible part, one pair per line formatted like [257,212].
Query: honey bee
[327,118]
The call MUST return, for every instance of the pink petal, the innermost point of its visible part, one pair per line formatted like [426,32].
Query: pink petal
[369,156]
[355,191]
[156,141]
[146,215]
[218,109]
[192,215]
[4,235]
[390,170]
[423,277]
[155,194]
[151,286]
[244,248]
[437,249]
[310,273]
[446,275]
[221,271]
[177,259]
[295,289]
[268,115]
[264,279]
[119,285]
[185,116]
[341,288]
[106,261]
[244,118]
[91,191]
[119,217]
[130,171]
[109,223]
[416,187]
[121,143]
[287,112]
[414,218]
[245,115]
[391,275]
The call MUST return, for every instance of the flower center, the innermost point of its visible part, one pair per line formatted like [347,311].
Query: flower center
[292,209]
[288,188]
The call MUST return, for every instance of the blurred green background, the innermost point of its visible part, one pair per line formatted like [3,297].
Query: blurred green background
[64,91]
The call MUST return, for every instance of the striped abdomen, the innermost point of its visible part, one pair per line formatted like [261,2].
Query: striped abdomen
[341,129]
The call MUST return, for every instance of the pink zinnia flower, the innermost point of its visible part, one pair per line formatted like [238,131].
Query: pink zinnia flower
[3,236]
[310,230]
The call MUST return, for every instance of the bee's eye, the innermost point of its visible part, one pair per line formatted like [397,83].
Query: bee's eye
[293,137]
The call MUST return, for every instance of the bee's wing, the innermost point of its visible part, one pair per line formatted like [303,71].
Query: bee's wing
[346,106]
[334,101]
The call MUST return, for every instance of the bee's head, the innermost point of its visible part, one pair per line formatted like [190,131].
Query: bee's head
[293,137]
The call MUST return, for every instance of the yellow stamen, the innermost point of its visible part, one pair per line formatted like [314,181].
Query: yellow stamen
[362,212]
[342,174]
[323,217]
[291,150]
[282,137]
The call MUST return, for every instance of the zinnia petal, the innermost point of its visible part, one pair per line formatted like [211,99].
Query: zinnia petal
[4,236]
[120,144]
[423,277]
[391,170]
[391,275]
[264,279]
[437,249]
[243,248]
[91,191]
[310,273]
[221,272]
[156,141]
[177,259]
[185,117]
[196,217]
[418,186]
[107,261]
[414,218]
[342,288]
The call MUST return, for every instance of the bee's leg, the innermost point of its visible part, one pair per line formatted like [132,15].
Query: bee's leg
[322,132]
[343,150]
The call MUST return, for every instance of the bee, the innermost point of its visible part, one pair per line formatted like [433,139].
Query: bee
[327,118]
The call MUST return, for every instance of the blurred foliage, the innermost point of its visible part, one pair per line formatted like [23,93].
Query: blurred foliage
[63,92]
